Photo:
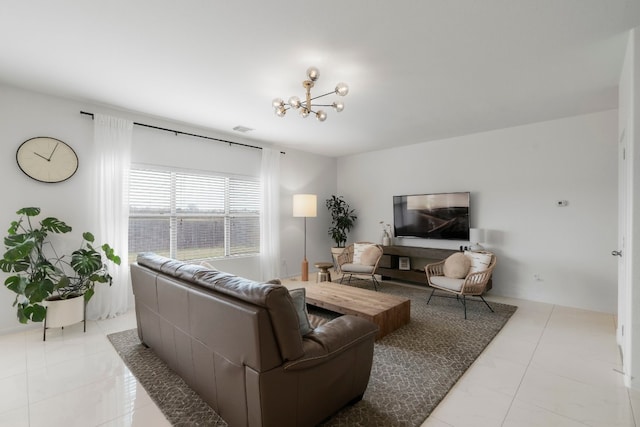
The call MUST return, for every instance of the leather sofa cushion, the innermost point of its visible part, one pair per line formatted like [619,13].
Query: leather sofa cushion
[331,338]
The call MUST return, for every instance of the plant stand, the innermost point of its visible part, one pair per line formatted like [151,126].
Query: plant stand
[64,312]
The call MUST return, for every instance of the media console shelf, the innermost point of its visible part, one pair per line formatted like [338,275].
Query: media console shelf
[389,266]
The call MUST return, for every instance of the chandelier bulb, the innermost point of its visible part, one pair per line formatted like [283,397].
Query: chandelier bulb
[338,106]
[277,103]
[342,89]
[321,116]
[304,112]
[313,73]
[294,102]
[280,112]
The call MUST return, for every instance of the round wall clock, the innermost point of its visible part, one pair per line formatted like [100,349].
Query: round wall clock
[47,159]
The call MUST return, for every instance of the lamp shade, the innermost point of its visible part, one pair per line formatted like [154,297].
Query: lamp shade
[305,205]
[476,235]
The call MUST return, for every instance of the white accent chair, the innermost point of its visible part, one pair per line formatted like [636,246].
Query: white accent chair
[452,278]
[360,259]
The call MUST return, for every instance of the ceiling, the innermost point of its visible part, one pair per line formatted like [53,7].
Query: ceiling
[417,70]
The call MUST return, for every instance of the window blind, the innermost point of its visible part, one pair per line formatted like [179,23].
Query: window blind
[192,216]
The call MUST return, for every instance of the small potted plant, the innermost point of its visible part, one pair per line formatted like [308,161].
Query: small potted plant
[40,276]
[386,233]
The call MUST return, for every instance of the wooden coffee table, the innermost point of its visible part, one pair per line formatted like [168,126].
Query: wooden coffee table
[389,312]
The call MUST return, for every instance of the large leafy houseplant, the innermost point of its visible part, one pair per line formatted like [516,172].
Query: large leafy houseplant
[342,219]
[40,274]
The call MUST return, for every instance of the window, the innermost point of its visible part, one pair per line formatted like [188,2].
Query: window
[191,216]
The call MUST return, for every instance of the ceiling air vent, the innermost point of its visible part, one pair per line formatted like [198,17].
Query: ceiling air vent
[242,129]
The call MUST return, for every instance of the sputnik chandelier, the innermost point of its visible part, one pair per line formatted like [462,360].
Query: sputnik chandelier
[305,107]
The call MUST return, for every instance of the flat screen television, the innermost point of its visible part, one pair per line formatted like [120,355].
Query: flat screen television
[432,216]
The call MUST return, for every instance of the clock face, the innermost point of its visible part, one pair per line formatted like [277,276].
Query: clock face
[47,159]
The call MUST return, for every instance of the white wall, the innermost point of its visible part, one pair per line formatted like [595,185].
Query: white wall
[305,173]
[515,177]
[27,114]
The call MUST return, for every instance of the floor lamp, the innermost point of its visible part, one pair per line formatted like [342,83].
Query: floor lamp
[306,206]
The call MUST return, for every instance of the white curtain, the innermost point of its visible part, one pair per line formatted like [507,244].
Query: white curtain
[112,155]
[270,226]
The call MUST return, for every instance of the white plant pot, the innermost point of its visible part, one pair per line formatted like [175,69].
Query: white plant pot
[64,312]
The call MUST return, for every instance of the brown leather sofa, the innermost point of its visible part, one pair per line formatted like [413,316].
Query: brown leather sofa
[237,343]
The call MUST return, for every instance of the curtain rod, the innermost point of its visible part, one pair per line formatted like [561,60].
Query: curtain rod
[189,134]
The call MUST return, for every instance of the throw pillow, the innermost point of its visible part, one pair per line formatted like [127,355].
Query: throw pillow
[358,249]
[456,266]
[370,255]
[299,302]
[479,261]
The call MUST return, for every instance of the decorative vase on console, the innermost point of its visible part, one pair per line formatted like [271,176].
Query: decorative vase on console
[386,234]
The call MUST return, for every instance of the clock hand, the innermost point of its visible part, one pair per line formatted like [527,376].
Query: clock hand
[40,155]
[54,150]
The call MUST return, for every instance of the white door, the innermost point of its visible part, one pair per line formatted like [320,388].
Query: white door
[624,285]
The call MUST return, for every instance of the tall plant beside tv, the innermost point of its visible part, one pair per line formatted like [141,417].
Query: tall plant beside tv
[343,219]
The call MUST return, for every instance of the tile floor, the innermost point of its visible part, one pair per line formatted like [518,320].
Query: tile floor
[72,379]
[549,366]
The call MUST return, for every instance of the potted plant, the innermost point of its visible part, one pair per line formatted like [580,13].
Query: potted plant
[40,275]
[342,221]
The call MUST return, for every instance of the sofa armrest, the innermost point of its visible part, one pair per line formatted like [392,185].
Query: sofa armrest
[332,338]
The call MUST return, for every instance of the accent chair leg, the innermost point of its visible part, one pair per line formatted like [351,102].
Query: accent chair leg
[464,304]
[433,291]
[375,282]
[484,301]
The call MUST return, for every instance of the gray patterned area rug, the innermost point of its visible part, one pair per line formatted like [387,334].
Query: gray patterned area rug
[413,367]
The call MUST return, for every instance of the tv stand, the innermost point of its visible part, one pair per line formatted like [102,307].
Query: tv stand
[389,266]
